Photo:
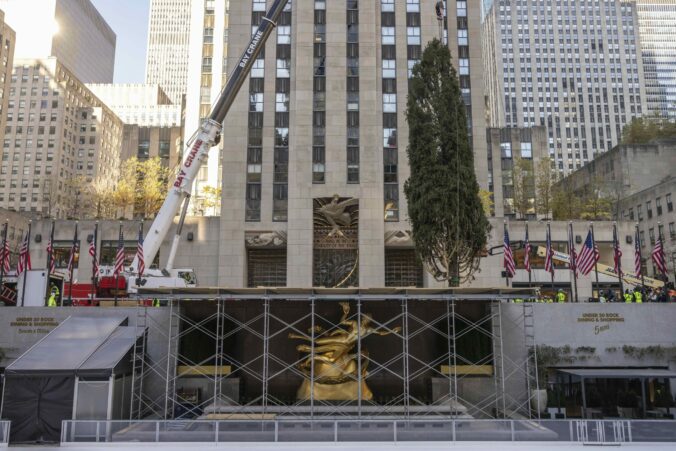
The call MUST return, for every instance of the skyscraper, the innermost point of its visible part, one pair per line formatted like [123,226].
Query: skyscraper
[72,31]
[315,147]
[207,74]
[574,66]
[657,25]
[168,44]
[7,43]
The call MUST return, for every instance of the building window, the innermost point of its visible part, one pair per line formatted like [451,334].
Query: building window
[658,206]
[403,269]
[649,209]
[266,268]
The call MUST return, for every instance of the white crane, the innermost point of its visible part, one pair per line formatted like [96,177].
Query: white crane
[197,150]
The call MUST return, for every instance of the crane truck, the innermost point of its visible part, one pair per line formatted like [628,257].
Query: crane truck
[196,155]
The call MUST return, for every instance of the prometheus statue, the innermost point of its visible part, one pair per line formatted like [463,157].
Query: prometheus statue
[334,360]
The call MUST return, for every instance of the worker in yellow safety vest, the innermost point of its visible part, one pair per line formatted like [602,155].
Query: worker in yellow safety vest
[156,302]
[53,294]
[638,296]
[628,297]
[560,296]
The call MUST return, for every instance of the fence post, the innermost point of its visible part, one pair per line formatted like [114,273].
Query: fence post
[511,426]
[276,431]
[157,431]
[453,429]
[395,431]
[629,431]
[335,430]
[98,430]
[216,431]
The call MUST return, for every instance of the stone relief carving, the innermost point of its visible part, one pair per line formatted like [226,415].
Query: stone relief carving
[266,239]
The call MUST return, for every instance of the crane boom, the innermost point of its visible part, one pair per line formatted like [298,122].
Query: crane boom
[207,136]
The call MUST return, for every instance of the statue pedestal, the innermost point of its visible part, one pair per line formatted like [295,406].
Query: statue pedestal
[347,391]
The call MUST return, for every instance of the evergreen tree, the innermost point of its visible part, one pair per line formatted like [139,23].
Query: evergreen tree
[449,226]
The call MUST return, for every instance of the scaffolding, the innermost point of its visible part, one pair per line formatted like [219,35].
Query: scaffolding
[227,354]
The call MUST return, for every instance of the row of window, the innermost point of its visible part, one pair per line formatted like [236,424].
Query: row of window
[629,214]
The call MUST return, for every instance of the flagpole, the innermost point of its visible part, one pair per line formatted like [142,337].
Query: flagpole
[2,263]
[529,271]
[71,264]
[25,270]
[596,268]
[504,250]
[573,258]
[94,275]
[640,256]
[117,274]
[617,243]
[50,258]
[138,267]
[549,234]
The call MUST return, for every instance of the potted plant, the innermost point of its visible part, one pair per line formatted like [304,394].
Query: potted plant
[627,402]
[556,403]
[664,402]
[538,395]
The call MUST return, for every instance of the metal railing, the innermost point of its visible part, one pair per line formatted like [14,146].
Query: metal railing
[368,430]
[4,433]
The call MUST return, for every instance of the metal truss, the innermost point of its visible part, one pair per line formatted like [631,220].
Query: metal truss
[249,367]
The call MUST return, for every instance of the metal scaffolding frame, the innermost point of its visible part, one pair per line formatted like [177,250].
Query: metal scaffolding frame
[263,358]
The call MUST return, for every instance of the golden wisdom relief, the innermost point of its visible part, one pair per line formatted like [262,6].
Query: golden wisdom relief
[332,359]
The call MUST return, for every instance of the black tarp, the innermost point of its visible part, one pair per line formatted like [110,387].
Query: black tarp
[36,406]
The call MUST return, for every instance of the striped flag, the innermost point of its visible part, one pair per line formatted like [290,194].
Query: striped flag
[510,267]
[549,257]
[571,249]
[50,256]
[24,256]
[637,254]
[617,252]
[658,257]
[92,254]
[6,254]
[526,255]
[589,255]
[74,251]
[139,252]
[119,258]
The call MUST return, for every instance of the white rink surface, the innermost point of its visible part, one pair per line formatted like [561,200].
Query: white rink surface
[358,446]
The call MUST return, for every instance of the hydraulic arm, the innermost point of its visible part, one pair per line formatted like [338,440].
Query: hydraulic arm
[205,138]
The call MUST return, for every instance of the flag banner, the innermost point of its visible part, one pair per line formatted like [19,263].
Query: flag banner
[139,252]
[24,256]
[589,255]
[549,257]
[527,251]
[510,267]
[119,258]
[617,252]
[658,257]
[637,254]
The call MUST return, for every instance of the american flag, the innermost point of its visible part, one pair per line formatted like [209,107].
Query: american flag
[573,253]
[617,252]
[139,252]
[24,256]
[589,255]
[119,258]
[50,256]
[526,255]
[5,256]
[74,250]
[549,257]
[637,254]
[658,256]
[510,268]
[92,254]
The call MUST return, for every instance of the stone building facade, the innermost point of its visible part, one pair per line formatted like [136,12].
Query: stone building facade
[315,158]
[505,146]
[574,67]
[59,136]
[7,43]
[73,31]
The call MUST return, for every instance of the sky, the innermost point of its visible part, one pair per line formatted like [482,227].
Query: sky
[129,21]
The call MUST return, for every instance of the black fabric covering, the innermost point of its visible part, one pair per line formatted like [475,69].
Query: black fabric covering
[36,406]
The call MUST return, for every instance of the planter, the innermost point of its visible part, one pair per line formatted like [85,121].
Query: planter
[538,398]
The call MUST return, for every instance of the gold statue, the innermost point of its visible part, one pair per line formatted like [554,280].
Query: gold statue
[335,362]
